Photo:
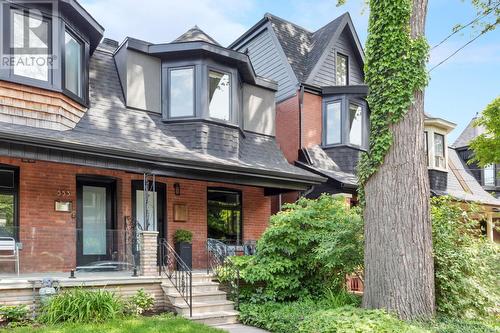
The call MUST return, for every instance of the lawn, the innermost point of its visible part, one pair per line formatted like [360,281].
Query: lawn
[158,324]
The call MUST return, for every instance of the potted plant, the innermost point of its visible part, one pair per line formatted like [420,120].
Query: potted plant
[183,246]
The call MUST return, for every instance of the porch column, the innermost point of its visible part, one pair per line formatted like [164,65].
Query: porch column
[149,250]
[489,227]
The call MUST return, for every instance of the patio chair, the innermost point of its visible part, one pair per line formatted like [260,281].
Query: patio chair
[9,251]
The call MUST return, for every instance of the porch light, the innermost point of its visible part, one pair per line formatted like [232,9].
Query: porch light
[177,189]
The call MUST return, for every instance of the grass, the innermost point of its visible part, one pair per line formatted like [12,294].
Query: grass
[158,324]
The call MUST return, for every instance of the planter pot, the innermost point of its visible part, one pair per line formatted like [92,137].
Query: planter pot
[185,251]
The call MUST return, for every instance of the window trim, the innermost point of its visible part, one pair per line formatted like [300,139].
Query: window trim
[84,68]
[215,69]
[337,53]
[169,85]
[15,192]
[231,190]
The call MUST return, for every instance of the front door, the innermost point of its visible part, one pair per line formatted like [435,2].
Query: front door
[95,221]
[155,220]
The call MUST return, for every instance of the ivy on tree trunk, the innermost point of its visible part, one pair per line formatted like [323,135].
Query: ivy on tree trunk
[399,272]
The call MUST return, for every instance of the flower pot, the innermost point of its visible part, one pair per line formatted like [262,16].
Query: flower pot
[185,251]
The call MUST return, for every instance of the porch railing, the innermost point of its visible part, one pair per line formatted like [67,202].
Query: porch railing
[177,271]
[219,264]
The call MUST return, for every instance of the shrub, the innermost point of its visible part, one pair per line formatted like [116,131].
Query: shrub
[183,236]
[140,302]
[80,305]
[310,246]
[450,325]
[14,313]
[350,319]
[466,264]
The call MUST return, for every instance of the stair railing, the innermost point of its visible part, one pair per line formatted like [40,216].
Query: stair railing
[219,264]
[177,271]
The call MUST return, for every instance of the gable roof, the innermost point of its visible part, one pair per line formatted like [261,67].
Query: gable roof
[195,34]
[469,133]
[304,49]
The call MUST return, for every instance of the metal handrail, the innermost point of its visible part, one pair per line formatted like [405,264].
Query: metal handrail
[177,271]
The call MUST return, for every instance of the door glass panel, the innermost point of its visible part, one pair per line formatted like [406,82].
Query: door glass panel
[6,215]
[94,220]
[152,212]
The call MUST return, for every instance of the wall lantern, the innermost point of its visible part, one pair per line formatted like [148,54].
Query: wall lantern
[177,189]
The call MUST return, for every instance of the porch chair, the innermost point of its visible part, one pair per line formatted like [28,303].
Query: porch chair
[9,251]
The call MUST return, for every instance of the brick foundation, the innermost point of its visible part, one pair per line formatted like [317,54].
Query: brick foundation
[49,237]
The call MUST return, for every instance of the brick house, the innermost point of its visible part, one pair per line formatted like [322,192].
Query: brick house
[106,138]
[322,117]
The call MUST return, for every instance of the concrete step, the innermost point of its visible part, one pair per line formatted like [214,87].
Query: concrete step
[204,307]
[215,318]
[198,287]
[209,296]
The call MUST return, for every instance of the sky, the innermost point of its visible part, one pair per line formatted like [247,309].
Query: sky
[457,90]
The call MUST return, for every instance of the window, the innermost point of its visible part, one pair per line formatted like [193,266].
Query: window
[73,68]
[341,70]
[355,124]
[426,147]
[333,123]
[489,175]
[224,216]
[181,94]
[219,95]
[8,202]
[30,44]
[439,155]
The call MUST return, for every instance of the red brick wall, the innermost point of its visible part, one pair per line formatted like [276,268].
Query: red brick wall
[311,120]
[49,237]
[287,127]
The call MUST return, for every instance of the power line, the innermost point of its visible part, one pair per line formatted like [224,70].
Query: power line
[479,17]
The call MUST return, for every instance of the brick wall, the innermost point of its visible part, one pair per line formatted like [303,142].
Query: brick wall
[312,120]
[49,237]
[287,127]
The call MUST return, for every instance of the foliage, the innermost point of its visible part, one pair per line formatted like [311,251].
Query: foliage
[309,246]
[467,266]
[183,236]
[487,145]
[286,317]
[448,325]
[350,319]
[166,323]
[14,313]
[80,305]
[140,302]
[394,71]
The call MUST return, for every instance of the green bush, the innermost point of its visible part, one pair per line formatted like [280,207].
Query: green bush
[467,266]
[350,319]
[14,313]
[140,302]
[80,305]
[310,246]
[450,325]
[183,236]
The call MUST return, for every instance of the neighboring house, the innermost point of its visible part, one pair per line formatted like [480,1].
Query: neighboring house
[489,176]
[110,137]
[322,118]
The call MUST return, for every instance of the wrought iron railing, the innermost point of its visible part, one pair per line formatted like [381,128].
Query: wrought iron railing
[220,265]
[177,271]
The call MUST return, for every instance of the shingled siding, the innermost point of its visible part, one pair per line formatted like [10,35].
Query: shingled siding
[267,62]
[49,238]
[438,180]
[346,157]
[326,74]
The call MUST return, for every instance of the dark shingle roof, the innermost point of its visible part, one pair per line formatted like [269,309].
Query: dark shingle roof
[469,133]
[322,163]
[303,48]
[195,34]
[109,124]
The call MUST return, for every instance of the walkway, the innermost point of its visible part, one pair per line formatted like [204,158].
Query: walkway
[238,328]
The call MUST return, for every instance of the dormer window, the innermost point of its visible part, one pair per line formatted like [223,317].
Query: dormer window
[345,122]
[73,64]
[219,95]
[341,69]
[439,153]
[181,94]
[489,175]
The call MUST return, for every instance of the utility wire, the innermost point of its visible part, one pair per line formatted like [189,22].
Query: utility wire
[479,17]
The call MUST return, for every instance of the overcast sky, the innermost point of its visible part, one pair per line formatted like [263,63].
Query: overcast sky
[458,89]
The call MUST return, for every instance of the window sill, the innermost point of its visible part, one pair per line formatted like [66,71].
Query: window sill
[200,120]
[347,145]
[437,169]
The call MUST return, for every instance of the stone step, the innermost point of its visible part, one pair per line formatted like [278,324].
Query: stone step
[198,297]
[215,318]
[198,287]
[204,307]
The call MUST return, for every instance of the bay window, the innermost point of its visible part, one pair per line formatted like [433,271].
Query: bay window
[181,93]
[73,64]
[355,124]
[219,94]
[439,154]
[345,121]
[224,216]
[333,123]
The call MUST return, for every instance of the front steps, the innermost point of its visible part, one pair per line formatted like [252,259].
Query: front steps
[210,305]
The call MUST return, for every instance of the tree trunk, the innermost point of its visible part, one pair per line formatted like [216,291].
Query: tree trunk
[399,269]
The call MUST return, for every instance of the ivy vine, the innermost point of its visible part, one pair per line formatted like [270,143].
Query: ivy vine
[394,70]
